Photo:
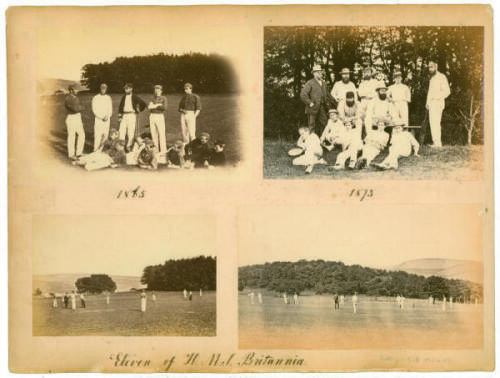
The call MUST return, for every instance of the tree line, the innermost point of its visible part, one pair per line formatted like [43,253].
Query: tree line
[95,284]
[291,52]
[209,73]
[330,277]
[175,275]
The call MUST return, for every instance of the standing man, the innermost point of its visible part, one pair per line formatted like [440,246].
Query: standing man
[74,124]
[130,106]
[400,95]
[317,100]
[82,301]
[340,88]
[102,108]
[157,108]
[355,302]
[367,87]
[439,89]
[190,108]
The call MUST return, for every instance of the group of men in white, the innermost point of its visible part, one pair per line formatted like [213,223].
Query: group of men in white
[358,124]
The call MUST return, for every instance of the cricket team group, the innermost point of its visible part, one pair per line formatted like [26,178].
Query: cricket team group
[124,146]
[362,122]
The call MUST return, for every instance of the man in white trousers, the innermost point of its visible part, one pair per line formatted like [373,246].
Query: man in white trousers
[157,109]
[439,89]
[74,124]
[130,106]
[400,95]
[102,108]
[189,107]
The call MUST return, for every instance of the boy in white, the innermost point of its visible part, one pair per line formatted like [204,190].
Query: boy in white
[102,108]
[334,132]
[375,142]
[402,143]
[400,96]
[313,151]
[350,148]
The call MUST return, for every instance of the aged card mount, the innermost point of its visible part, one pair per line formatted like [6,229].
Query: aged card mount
[329,270]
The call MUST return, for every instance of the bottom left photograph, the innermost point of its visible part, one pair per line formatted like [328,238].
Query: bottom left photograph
[124,276]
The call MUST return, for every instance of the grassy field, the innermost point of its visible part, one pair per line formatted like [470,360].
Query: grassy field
[170,315]
[219,117]
[313,324]
[448,162]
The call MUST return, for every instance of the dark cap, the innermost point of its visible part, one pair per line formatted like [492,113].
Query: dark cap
[219,142]
[349,94]
[129,85]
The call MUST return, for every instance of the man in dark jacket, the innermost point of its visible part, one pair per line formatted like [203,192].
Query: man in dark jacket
[130,106]
[318,100]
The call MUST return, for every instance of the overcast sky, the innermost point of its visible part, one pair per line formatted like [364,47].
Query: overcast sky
[62,52]
[377,236]
[118,245]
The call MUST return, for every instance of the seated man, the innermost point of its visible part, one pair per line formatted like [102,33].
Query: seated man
[175,155]
[350,110]
[402,143]
[350,148]
[198,151]
[334,131]
[217,155]
[313,151]
[380,109]
[375,143]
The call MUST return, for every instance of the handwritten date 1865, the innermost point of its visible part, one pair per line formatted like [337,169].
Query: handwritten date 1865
[137,192]
[361,194]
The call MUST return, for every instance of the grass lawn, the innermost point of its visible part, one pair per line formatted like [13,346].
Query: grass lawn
[170,315]
[313,324]
[446,163]
[219,117]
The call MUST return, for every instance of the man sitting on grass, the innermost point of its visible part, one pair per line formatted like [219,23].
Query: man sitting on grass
[375,142]
[350,148]
[175,155]
[313,152]
[334,132]
[402,143]
[198,152]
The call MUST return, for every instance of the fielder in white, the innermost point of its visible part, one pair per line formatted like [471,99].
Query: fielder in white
[74,124]
[313,151]
[402,144]
[439,89]
[157,109]
[355,303]
[102,108]
[334,132]
[400,95]
[190,108]
[143,302]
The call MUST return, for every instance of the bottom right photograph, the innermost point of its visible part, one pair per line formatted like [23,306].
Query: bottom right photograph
[381,277]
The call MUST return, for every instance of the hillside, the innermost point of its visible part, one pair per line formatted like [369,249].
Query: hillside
[468,270]
[45,87]
[59,283]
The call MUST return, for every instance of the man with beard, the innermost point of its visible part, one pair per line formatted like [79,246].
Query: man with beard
[379,110]
[350,110]
[317,99]
[439,89]
[340,88]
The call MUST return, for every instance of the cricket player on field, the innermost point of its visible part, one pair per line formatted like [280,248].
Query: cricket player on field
[189,107]
[102,108]
[375,142]
[400,95]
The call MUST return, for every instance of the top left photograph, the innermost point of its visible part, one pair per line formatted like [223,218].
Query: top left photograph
[119,100]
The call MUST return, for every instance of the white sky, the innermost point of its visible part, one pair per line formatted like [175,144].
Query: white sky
[119,245]
[63,51]
[377,236]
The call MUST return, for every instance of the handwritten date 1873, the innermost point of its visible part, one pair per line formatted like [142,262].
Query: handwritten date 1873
[361,194]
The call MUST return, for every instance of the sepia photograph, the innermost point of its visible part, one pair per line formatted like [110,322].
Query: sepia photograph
[305,281]
[143,99]
[129,276]
[398,102]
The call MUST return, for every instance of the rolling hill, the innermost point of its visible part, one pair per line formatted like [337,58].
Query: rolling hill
[468,270]
[59,283]
[45,87]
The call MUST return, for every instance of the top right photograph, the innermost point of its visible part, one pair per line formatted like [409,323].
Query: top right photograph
[389,102]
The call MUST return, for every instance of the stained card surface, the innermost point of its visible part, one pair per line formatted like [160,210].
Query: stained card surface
[250,188]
